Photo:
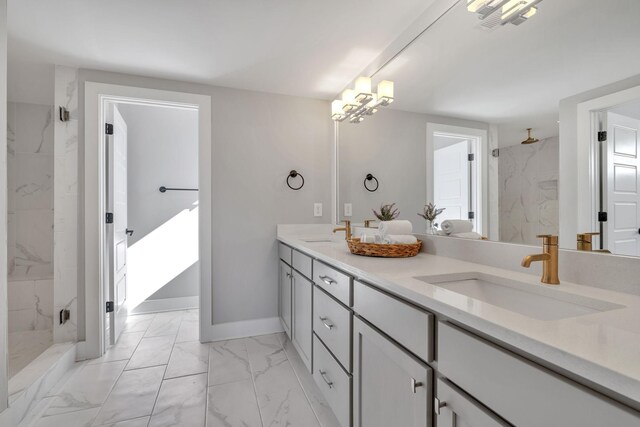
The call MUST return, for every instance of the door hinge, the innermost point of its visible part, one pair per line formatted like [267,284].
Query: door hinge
[602,217]
[471,157]
[602,135]
[472,215]
[108,128]
[109,306]
[495,152]
[109,218]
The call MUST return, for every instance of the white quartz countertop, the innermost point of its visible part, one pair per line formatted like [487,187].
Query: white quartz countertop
[602,348]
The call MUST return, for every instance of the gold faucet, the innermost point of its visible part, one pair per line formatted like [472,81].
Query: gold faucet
[584,242]
[549,258]
[346,229]
[367,223]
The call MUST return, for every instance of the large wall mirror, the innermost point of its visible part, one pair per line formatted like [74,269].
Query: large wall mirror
[503,125]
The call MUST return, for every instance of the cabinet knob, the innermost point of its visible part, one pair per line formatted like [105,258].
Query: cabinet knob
[415,384]
[437,405]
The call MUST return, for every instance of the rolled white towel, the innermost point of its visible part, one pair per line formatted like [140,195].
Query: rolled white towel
[368,238]
[455,226]
[468,235]
[399,239]
[395,227]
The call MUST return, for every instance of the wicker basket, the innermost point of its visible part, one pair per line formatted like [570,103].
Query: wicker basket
[384,250]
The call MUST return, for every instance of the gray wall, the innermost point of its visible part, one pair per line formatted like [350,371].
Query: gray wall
[162,146]
[392,146]
[257,138]
[3,205]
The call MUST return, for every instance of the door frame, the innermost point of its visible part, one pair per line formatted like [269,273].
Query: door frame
[481,166]
[586,181]
[97,95]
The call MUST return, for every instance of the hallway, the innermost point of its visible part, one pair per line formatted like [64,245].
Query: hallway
[160,375]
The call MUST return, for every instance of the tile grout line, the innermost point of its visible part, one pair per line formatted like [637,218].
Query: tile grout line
[306,395]
[253,382]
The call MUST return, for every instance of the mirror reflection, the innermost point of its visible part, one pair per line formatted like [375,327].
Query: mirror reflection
[521,130]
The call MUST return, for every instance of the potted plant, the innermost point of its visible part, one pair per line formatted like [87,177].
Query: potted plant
[430,213]
[388,212]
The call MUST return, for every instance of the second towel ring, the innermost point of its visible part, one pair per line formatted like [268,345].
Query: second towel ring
[295,174]
[370,177]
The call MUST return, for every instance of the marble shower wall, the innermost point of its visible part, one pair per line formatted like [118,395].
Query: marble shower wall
[30,170]
[528,182]
[65,234]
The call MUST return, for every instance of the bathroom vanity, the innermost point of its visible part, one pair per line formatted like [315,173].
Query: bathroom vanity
[433,340]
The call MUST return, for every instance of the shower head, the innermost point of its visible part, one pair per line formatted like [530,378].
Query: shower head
[530,139]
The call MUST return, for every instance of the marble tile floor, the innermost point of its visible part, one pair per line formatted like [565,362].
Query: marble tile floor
[158,374]
[25,347]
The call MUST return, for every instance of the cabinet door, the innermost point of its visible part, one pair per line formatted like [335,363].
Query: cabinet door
[455,409]
[284,291]
[390,386]
[302,307]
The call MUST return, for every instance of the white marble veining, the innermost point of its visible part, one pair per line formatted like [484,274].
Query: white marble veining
[181,402]
[152,351]
[191,388]
[601,348]
[528,191]
[26,346]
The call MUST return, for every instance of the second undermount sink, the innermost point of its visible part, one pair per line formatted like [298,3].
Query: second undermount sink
[535,301]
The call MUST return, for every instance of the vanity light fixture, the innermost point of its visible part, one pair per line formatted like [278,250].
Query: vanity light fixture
[361,101]
[511,11]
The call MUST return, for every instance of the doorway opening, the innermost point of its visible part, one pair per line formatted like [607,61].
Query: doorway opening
[151,227]
[456,159]
[617,153]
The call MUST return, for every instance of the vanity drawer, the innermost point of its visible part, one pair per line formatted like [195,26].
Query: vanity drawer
[406,324]
[332,323]
[520,391]
[302,263]
[333,381]
[333,281]
[285,252]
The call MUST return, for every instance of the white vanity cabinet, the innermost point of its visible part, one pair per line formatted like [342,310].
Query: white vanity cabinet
[284,297]
[390,386]
[302,309]
[374,359]
[296,299]
[454,408]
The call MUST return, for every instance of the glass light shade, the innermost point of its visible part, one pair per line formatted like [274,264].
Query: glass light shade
[363,85]
[336,109]
[512,7]
[348,96]
[475,5]
[532,11]
[385,91]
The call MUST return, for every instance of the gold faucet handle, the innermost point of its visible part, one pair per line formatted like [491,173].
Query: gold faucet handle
[367,223]
[586,237]
[548,239]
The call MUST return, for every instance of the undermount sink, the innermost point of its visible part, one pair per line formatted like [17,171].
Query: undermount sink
[318,240]
[535,301]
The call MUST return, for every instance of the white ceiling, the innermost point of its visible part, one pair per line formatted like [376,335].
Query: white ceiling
[516,75]
[295,47]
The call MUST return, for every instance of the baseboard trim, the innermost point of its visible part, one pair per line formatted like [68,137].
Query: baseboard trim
[242,329]
[166,304]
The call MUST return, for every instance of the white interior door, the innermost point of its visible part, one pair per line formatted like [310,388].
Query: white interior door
[451,180]
[622,186]
[117,231]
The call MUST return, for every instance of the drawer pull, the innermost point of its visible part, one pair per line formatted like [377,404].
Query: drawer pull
[415,384]
[328,280]
[323,374]
[437,405]
[327,325]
